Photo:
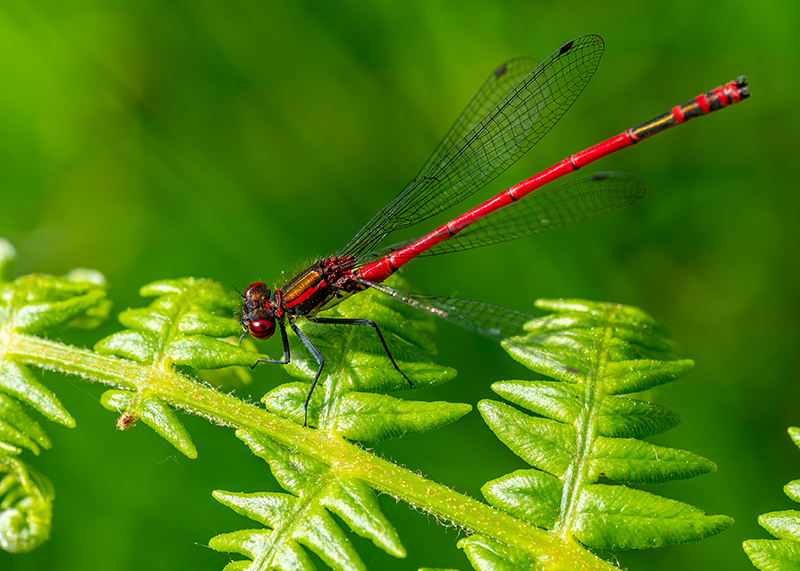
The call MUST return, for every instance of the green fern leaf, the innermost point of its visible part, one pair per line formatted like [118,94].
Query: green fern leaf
[621,518]
[619,417]
[38,303]
[26,506]
[357,367]
[576,430]
[783,553]
[630,461]
[33,305]
[530,495]
[287,555]
[182,327]
[364,416]
[487,554]
[281,547]
[22,384]
[18,429]
[302,517]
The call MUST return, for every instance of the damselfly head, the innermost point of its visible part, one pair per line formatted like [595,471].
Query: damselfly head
[257,317]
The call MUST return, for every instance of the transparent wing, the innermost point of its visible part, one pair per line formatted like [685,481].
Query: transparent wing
[548,209]
[484,318]
[541,211]
[476,150]
[497,86]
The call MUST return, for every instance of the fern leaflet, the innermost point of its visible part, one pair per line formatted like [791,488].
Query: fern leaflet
[580,435]
[782,553]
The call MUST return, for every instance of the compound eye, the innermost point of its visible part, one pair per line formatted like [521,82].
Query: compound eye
[261,328]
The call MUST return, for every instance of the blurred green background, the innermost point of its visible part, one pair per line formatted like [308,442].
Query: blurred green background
[235,140]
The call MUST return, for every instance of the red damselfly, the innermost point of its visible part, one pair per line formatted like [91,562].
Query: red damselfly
[513,110]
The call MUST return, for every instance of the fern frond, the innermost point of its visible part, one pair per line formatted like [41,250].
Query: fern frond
[782,553]
[33,305]
[26,506]
[301,516]
[579,433]
[347,400]
[184,326]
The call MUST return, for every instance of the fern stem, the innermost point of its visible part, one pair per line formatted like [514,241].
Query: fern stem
[333,450]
